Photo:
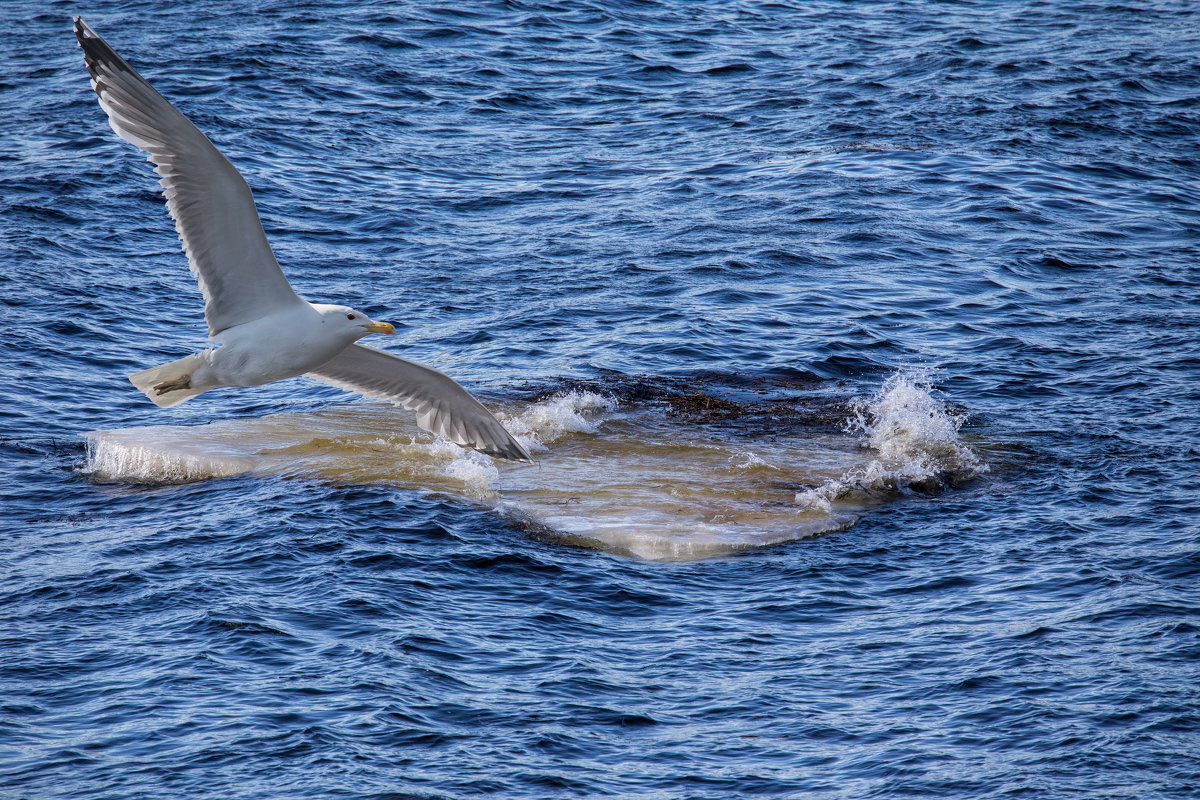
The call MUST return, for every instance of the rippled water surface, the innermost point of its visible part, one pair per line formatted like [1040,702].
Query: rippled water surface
[857,344]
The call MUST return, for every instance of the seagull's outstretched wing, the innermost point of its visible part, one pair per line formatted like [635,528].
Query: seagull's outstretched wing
[211,203]
[443,407]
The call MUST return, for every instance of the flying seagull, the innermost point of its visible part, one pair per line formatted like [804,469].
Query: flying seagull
[266,331]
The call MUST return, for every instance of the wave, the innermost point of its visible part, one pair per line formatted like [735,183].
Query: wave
[663,475]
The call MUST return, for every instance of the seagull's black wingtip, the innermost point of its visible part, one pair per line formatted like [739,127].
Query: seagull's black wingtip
[84,34]
[509,451]
[516,454]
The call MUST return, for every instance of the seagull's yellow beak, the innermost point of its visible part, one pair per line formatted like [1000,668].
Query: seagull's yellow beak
[380,327]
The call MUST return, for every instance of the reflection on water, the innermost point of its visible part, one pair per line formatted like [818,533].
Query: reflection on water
[629,477]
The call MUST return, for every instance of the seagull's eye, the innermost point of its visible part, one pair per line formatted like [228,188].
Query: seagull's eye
[351,316]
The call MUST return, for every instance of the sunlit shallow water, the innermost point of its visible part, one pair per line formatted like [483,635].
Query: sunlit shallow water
[637,481]
[686,247]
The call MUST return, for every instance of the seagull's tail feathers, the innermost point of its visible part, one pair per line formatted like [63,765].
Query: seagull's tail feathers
[177,373]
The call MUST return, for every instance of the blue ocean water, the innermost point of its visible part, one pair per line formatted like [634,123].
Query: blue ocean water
[820,195]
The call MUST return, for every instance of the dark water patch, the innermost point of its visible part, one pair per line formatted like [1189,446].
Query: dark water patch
[712,397]
[382,41]
[730,69]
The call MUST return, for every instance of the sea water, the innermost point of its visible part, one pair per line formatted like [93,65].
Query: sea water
[856,344]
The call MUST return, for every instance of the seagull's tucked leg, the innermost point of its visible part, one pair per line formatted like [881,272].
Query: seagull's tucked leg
[184,382]
[171,384]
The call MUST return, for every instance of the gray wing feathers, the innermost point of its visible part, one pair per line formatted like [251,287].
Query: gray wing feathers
[212,205]
[442,406]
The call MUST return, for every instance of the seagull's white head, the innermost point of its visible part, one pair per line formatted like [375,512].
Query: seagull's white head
[352,324]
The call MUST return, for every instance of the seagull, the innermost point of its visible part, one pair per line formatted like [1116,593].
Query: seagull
[265,331]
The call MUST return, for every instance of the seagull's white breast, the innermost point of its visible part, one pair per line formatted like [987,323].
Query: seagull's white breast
[281,345]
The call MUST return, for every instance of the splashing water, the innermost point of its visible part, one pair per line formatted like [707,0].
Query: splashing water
[544,423]
[629,478]
[916,443]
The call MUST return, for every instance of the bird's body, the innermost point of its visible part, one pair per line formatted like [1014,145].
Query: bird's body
[302,339]
[265,332]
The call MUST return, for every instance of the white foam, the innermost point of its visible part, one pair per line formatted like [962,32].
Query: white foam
[138,455]
[916,442]
[544,423]
[476,472]
[746,460]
